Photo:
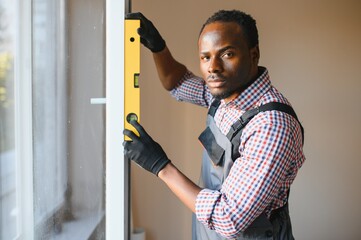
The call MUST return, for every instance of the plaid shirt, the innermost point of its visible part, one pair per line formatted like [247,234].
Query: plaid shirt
[270,156]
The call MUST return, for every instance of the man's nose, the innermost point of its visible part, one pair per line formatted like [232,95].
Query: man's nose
[215,66]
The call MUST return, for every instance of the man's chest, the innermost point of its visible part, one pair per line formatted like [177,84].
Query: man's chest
[226,116]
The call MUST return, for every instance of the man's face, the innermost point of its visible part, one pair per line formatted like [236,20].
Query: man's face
[226,61]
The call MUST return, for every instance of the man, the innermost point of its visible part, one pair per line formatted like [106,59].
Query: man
[253,140]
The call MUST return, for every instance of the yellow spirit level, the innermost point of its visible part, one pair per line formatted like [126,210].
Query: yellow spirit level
[131,73]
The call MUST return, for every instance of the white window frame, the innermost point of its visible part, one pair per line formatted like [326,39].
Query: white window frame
[23,121]
[116,219]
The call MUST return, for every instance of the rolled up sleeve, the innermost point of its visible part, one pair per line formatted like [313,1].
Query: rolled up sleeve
[192,89]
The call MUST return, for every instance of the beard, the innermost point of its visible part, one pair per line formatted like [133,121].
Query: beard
[222,95]
[228,92]
[219,95]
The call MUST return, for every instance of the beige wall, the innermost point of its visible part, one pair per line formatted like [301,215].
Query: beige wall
[312,50]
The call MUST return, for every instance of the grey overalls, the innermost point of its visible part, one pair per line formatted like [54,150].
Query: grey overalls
[220,152]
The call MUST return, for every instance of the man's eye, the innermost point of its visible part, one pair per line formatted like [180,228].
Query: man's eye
[228,54]
[204,58]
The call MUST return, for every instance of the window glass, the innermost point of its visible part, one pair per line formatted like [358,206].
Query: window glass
[49,119]
[68,132]
[8,191]
[52,142]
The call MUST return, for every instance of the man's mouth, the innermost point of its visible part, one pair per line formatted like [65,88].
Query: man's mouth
[215,83]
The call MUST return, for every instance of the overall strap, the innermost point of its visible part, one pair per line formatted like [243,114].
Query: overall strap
[213,108]
[247,116]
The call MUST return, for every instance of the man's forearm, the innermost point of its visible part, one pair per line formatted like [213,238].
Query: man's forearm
[169,70]
[180,185]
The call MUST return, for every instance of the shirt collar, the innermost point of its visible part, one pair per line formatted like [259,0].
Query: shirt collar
[252,94]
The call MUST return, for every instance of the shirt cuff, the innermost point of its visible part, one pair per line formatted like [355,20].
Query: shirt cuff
[205,203]
[174,91]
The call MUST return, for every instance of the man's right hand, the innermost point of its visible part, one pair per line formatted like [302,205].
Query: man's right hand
[149,35]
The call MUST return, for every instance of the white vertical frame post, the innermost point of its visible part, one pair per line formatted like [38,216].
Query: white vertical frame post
[116,219]
[23,120]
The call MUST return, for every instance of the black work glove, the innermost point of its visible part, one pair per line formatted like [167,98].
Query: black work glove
[144,150]
[149,35]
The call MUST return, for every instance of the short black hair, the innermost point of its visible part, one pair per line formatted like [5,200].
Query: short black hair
[244,20]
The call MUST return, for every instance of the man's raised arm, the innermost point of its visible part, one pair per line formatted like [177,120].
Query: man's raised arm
[169,70]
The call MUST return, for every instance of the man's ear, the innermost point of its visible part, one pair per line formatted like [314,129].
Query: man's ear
[254,52]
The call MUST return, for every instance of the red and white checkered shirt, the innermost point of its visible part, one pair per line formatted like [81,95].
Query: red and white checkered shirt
[270,155]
